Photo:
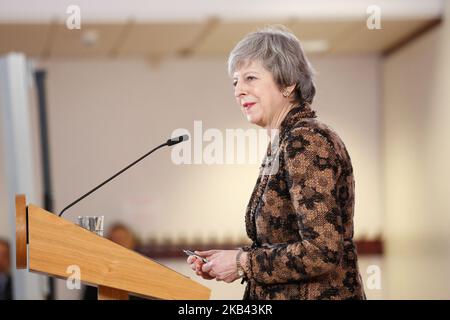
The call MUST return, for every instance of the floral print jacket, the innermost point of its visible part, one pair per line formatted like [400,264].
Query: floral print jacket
[300,216]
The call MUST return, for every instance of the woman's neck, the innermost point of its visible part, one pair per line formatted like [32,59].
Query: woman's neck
[278,118]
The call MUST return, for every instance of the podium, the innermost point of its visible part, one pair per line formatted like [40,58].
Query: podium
[56,246]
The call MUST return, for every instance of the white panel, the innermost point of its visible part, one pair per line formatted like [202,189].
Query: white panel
[17,153]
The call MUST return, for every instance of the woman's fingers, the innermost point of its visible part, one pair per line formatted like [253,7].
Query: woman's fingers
[204,275]
[206,253]
[191,259]
[193,262]
[196,265]
[207,267]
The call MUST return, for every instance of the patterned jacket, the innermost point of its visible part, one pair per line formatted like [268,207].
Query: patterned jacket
[300,217]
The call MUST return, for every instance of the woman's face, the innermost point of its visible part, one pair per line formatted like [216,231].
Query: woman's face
[257,93]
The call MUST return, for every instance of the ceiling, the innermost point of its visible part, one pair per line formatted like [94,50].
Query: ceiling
[155,29]
[212,37]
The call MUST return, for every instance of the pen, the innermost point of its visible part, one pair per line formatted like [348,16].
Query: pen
[191,253]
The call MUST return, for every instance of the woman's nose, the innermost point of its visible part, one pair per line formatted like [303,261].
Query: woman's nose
[239,90]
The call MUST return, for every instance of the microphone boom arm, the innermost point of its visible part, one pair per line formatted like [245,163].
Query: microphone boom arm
[106,181]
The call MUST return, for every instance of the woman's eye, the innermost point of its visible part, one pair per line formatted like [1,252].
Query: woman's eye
[248,78]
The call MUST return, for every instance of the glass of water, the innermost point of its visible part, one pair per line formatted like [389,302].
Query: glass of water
[92,223]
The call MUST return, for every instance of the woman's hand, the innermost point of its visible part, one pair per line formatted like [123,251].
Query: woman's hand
[221,265]
[196,265]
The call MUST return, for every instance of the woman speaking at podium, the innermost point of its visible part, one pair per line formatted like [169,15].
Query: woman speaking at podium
[300,214]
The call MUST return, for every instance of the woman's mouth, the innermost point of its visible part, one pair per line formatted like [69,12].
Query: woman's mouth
[248,105]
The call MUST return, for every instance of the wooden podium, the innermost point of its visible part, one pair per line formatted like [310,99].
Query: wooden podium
[55,244]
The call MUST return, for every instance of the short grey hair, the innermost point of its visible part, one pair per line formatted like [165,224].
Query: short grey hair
[281,53]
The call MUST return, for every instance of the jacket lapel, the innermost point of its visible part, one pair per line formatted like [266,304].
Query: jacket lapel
[253,207]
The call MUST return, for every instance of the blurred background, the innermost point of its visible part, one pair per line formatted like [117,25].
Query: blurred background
[79,104]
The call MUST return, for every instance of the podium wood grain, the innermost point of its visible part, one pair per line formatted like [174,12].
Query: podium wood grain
[21,232]
[106,293]
[56,244]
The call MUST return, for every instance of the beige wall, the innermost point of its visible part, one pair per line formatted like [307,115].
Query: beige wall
[417,175]
[106,113]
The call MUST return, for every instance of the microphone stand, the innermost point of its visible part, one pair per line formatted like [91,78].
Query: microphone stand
[169,142]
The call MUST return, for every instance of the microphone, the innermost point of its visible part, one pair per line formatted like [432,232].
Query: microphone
[176,140]
[169,142]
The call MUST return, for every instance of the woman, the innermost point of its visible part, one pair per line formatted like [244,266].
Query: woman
[300,215]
